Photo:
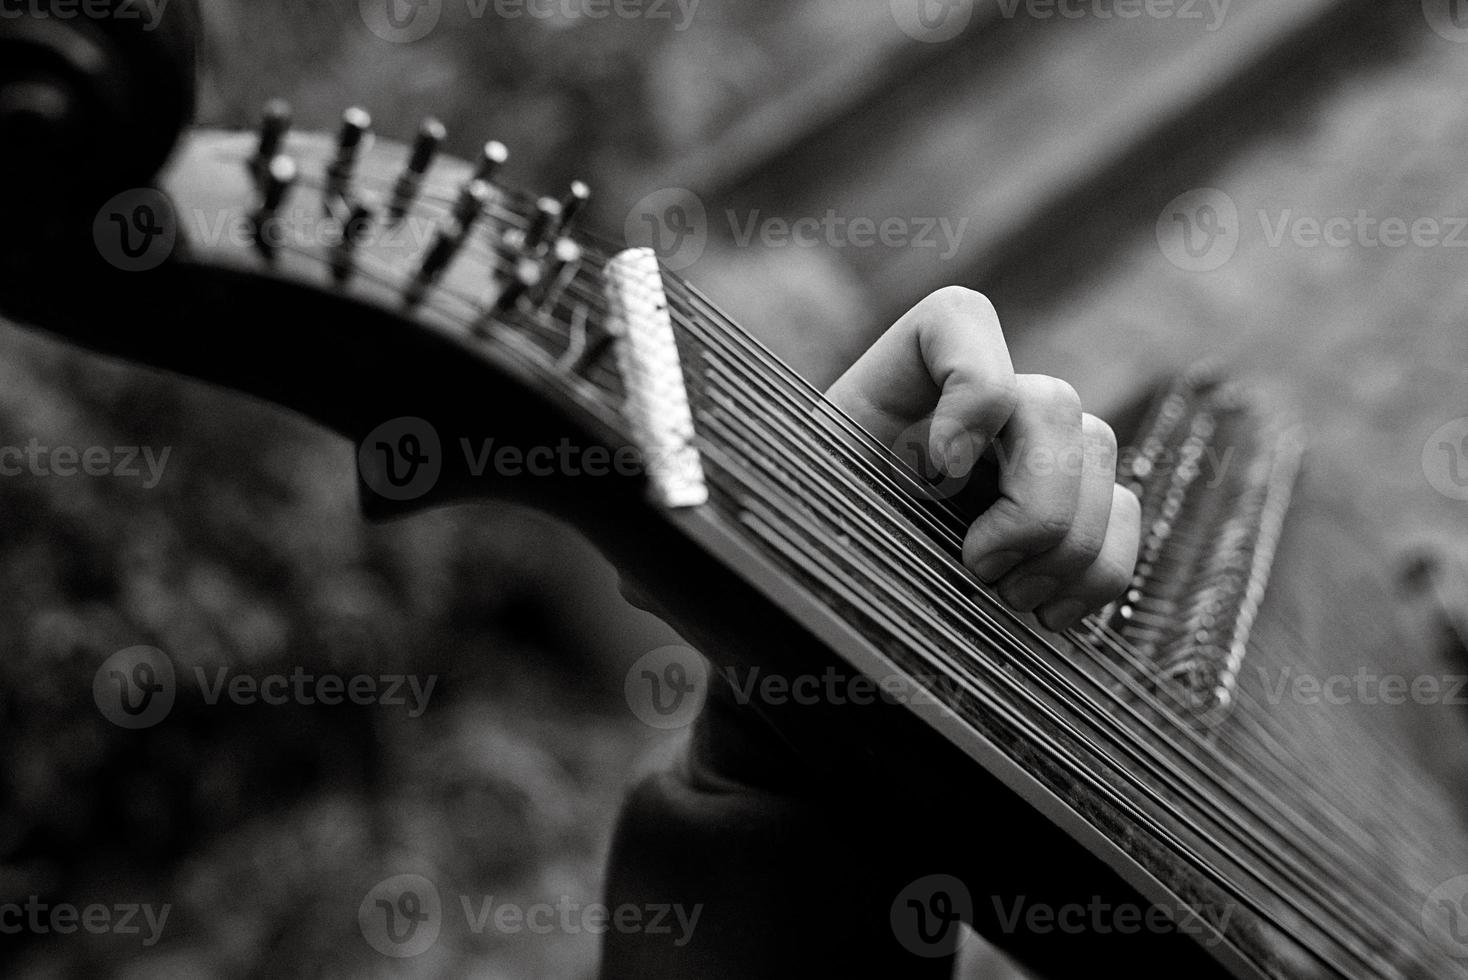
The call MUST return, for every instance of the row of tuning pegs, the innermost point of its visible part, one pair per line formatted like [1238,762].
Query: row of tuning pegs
[544,256]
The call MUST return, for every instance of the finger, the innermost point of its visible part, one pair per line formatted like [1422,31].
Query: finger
[1040,465]
[1111,572]
[946,357]
[1053,573]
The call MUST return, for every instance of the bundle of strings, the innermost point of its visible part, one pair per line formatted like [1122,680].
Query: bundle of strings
[1147,719]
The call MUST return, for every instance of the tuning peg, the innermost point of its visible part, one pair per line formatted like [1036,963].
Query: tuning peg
[275,123]
[430,137]
[574,202]
[473,199]
[564,258]
[547,222]
[355,229]
[526,276]
[279,177]
[493,157]
[450,239]
[356,124]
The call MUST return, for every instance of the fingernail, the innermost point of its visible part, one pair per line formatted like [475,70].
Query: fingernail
[994,567]
[1064,615]
[1028,593]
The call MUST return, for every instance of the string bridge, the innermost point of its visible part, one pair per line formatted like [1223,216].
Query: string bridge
[1214,470]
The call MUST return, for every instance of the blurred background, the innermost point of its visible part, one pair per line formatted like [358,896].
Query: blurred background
[1137,186]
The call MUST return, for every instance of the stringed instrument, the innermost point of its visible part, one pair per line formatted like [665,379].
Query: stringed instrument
[408,301]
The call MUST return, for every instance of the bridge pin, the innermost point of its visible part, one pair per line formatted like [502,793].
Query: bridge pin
[430,137]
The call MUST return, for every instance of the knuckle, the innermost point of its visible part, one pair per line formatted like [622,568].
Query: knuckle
[1054,394]
[1019,529]
[1044,531]
[996,399]
[958,303]
[1080,549]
